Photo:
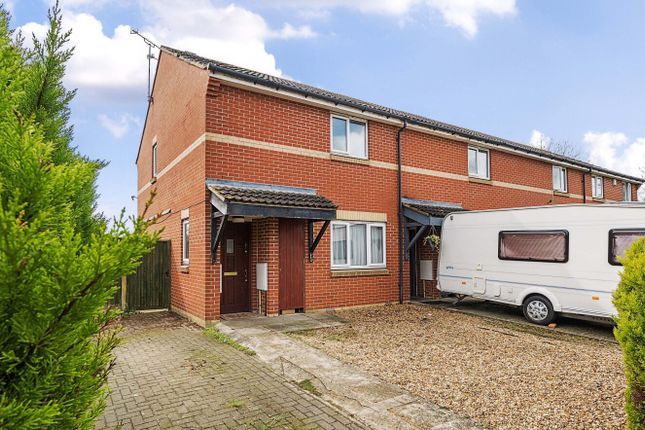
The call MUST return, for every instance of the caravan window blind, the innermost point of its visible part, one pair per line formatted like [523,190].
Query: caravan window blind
[544,246]
[620,241]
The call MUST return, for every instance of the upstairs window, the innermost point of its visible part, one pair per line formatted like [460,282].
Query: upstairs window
[620,240]
[185,242]
[559,179]
[154,159]
[597,187]
[357,245]
[478,163]
[627,192]
[543,246]
[348,136]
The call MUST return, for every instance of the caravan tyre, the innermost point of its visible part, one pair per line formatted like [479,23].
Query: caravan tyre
[538,310]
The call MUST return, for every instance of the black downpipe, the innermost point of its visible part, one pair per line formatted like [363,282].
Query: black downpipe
[400,195]
[584,187]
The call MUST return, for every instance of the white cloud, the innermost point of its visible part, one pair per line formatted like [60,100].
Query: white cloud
[119,126]
[461,14]
[115,64]
[288,31]
[615,151]
[540,140]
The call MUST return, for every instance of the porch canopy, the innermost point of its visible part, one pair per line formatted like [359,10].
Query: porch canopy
[234,199]
[424,214]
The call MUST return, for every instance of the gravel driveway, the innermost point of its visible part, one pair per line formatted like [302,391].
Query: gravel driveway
[503,375]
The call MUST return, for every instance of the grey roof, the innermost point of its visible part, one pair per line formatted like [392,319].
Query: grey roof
[259,78]
[432,208]
[268,195]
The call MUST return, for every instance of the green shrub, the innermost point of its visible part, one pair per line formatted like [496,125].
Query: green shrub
[629,300]
[58,259]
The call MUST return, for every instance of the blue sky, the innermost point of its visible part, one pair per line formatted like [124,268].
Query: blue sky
[535,72]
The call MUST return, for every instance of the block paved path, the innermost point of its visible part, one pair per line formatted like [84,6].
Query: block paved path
[169,374]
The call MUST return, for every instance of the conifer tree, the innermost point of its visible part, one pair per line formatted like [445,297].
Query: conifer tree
[59,261]
[629,300]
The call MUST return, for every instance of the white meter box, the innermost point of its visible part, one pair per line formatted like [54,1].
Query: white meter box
[262,276]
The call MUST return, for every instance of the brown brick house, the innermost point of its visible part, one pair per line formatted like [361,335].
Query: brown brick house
[278,196]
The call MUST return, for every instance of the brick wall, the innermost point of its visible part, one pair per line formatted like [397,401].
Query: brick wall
[264,249]
[262,138]
[176,118]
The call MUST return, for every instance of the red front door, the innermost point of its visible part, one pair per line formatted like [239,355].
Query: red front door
[235,269]
[292,264]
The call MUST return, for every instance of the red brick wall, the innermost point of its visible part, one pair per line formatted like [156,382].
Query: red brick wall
[240,113]
[177,118]
[429,290]
[264,249]
[187,103]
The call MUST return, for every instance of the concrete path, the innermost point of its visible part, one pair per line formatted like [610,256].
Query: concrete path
[170,375]
[284,323]
[378,404]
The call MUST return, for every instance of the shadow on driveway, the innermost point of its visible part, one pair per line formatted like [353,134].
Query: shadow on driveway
[576,327]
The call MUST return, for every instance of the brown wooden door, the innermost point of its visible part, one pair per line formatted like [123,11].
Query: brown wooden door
[235,269]
[292,264]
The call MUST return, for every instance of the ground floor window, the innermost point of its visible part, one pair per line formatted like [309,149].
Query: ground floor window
[357,245]
[185,229]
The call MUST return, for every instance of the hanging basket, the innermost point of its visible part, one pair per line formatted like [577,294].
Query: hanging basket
[433,240]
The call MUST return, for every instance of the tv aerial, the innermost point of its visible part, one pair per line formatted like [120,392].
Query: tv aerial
[150,57]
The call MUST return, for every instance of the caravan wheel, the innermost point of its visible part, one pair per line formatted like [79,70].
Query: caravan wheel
[538,310]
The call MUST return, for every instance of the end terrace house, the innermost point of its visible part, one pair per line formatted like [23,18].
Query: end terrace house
[280,197]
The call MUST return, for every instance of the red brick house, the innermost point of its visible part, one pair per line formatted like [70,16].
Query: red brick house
[278,196]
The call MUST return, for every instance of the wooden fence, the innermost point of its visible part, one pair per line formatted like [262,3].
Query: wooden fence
[149,286]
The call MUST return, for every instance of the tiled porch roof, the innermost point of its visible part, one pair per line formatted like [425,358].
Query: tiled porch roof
[272,198]
[247,198]
[260,194]
[432,208]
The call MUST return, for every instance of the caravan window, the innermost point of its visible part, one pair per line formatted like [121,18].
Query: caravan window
[546,246]
[620,241]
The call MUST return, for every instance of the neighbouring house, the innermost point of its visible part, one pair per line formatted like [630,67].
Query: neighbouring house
[279,197]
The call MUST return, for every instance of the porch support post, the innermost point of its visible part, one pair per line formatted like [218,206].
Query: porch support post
[416,237]
[218,237]
[313,243]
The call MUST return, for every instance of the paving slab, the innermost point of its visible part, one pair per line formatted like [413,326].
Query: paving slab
[374,402]
[284,323]
[170,375]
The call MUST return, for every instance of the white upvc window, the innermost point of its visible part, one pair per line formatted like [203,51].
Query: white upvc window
[154,159]
[185,242]
[478,163]
[348,136]
[357,245]
[627,192]
[597,187]
[559,179]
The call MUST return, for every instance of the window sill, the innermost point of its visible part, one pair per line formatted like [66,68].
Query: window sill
[598,199]
[349,159]
[480,180]
[561,193]
[184,269]
[153,180]
[346,273]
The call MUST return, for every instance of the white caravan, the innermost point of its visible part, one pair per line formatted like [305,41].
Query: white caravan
[547,259]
